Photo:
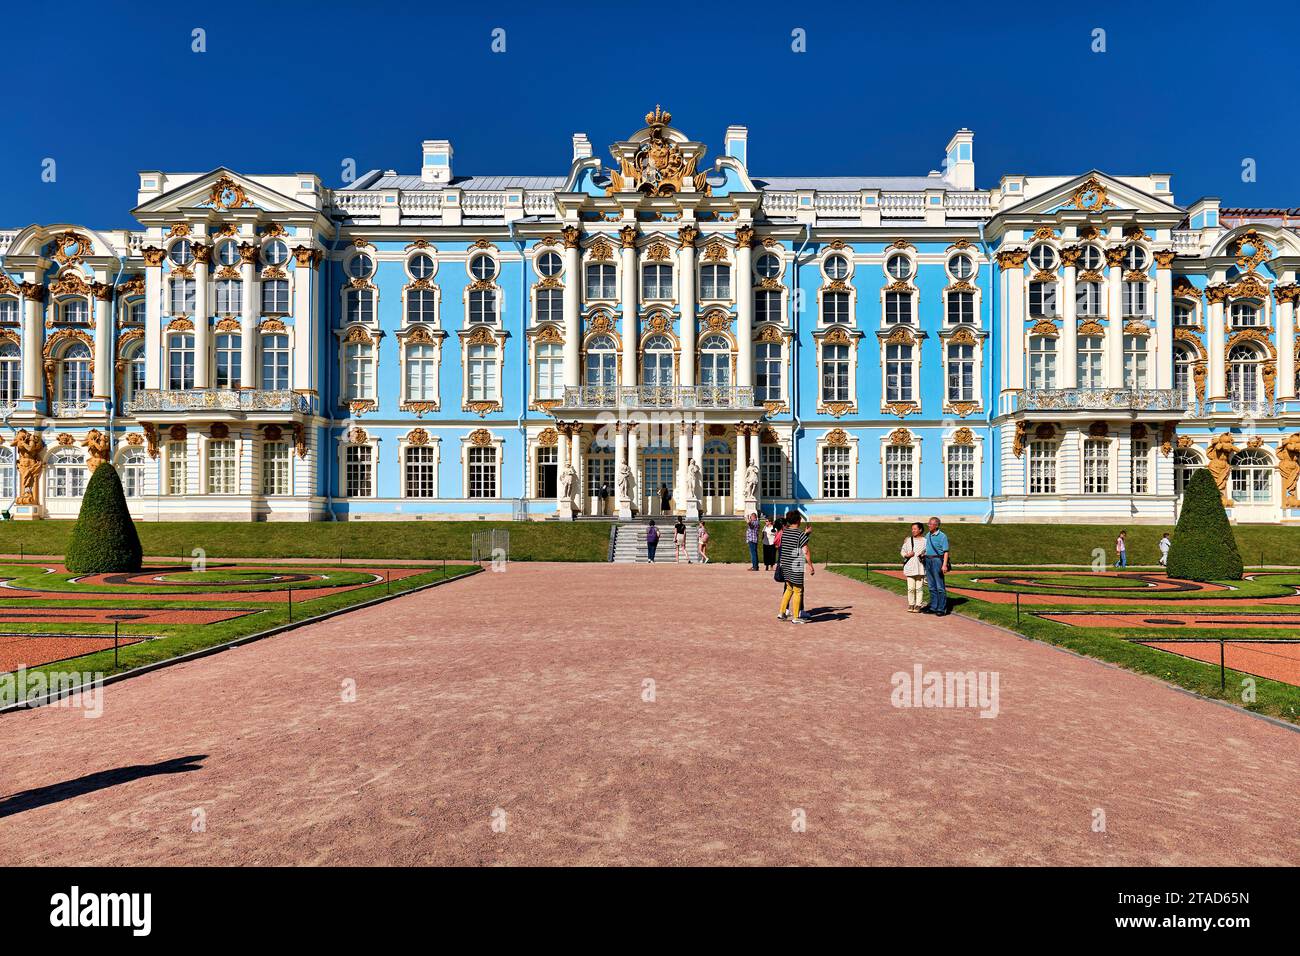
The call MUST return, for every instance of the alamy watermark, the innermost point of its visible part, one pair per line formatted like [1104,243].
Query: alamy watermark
[83,690]
[976,690]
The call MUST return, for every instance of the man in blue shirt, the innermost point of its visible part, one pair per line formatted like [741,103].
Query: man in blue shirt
[936,566]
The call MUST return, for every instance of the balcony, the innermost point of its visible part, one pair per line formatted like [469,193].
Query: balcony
[238,401]
[659,396]
[1101,400]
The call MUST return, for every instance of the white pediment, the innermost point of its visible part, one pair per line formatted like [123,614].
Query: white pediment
[221,190]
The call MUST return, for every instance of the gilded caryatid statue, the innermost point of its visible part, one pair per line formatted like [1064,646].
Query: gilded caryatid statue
[1218,461]
[1288,464]
[97,449]
[31,463]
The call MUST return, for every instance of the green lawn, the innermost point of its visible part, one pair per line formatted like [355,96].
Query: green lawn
[832,541]
[1109,644]
[177,640]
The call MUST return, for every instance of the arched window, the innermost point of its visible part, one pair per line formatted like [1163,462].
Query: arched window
[421,372]
[657,362]
[1090,367]
[602,360]
[359,371]
[715,281]
[1243,373]
[230,296]
[8,473]
[1042,361]
[11,374]
[180,360]
[74,375]
[275,361]
[229,370]
[898,373]
[1247,312]
[132,468]
[1186,462]
[67,474]
[1252,477]
[133,380]
[715,362]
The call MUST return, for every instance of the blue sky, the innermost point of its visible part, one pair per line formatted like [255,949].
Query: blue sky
[290,87]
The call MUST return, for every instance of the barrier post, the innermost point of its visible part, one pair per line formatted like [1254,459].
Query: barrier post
[1017,608]
[290,605]
[1223,678]
[115,645]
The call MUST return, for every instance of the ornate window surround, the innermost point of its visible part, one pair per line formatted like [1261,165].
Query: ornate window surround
[357,435]
[599,249]
[717,250]
[482,334]
[357,332]
[837,335]
[546,334]
[839,438]
[420,335]
[901,335]
[966,438]
[600,321]
[770,332]
[419,438]
[966,335]
[493,285]
[656,250]
[901,437]
[660,322]
[480,438]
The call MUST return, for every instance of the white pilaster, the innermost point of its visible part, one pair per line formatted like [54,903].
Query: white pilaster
[1015,309]
[620,459]
[1067,373]
[202,327]
[103,340]
[1164,350]
[742,466]
[745,306]
[686,297]
[153,283]
[33,297]
[303,325]
[1215,335]
[572,294]
[1286,347]
[1114,377]
[628,298]
[249,373]
[634,462]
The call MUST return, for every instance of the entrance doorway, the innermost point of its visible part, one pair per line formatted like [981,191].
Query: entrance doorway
[600,469]
[658,467]
[548,472]
[718,464]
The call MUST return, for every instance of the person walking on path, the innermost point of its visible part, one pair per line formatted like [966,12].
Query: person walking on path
[913,551]
[751,539]
[1164,550]
[769,544]
[703,538]
[1121,551]
[936,566]
[603,494]
[795,558]
[664,498]
[652,540]
[679,540]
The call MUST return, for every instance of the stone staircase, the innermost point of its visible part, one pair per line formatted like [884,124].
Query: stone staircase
[629,542]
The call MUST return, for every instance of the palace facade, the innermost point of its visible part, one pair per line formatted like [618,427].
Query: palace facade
[438,345]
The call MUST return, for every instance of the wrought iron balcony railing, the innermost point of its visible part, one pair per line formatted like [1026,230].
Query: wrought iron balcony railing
[218,399]
[1102,399]
[659,396]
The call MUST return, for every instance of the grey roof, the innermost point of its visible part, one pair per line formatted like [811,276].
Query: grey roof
[850,183]
[377,180]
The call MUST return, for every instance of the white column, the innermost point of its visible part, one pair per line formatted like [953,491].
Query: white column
[683,454]
[629,284]
[103,340]
[745,306]
[1163,354]
[686,297]
[697,445]
[1067,373]
[1114,377]
[202,328]
[742,466]
[754,444]
[633,462]
[33,296]
[248,309]
[303,326]
[153,284]
[1286,344]
[563,431]
[1015,308]
[620,458]
[575,452]
[1217,387]
[572,302]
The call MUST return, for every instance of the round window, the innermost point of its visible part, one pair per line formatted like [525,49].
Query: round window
[421,265]
[1042,256]
[1135,257]
[549,264]
[483,267]
[768,266]
[181,253]
[1090,258]
[899,266]
[962,267]
[360,265]
[275,253]
[228,254]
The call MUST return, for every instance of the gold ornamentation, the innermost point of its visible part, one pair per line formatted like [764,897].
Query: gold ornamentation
[1043,234]
[1012,258]
[1045,327]
[480,437]
[70,247]
[1091,327]
[219,431]
[307,257]
[135,439]
[153,256]
[1199,372]
[1138,431]
[1167,434]
[901,335]
[900,436]
[1018,442]
[1287,293]
[1137,328]
[1183,289]
[771,333]
[360,406]
[896,244]
[1090,196]
[227,325]
[272,325]
[1219,464]
[300,439]
[548,438]
[600,250]
[836,409]
[963,436]
[1216,293]
[687,236]
[151,436]
[962,409]
[357,435]
[600,323]
[1261,250]
[31,462]
[420,408]
[1251,335]
[902,409]
[744,236]
[658,167]
[1288,466]
[33,291]
[417,437]
[65,440]
[572,237]
[70,282]
[1165,258]
[358,333]
[717,321]
[837,438]
[658,251]
[715,251]
[227,194]
[1250,287]
[1070,255]
[482,408]
[481,335]
[178,229]
[1115,256]
[627,237]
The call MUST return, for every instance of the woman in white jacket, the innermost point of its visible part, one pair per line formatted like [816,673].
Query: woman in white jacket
[913,551]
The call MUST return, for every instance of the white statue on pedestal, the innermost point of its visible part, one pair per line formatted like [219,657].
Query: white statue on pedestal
[568,483]
[625,483]
[751,482]
[694,481]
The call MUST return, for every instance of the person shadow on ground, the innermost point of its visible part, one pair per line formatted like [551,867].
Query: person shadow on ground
[101,780]
[818,614]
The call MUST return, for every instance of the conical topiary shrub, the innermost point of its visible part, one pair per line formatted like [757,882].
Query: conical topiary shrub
[104,539]
[1203,547]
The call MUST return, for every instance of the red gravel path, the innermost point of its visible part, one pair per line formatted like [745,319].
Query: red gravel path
[16,652]
[126,613]
[1279,662]
[524,690]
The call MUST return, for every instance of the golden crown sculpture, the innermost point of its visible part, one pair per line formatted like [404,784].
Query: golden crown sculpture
[659,117]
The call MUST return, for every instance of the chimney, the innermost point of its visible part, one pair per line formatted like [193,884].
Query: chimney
[737,144]
[581,147]
[959,164]
[436,167]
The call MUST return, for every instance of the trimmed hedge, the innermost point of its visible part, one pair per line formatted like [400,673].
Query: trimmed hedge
[104,539]
[1203,548]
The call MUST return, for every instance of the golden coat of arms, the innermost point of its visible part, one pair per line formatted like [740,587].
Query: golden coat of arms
[657,168]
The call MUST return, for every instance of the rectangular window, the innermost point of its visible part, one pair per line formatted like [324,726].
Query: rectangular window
[482,472]
[229,296]
[715,282]
[482,373]
[275,362]
[550,306]
[483,307]
[359,370]
[177,468]
[182,301]
[898,308]
[275,297]
[275,468]
[835,373]
[1135,299]
[656,282]
[767,306]
[898,373]
[898,471]
[1087,299]
[1042,467]
[550,371]
[601,282]
[1042,300]
[1042,362]
[771,472]
[421,479]
[961,471]
[1090,356]
[1096,466]
[420,306]
[1135,361]
[961,308]
[961,373]
[835,308]
[358,480]
[1141,464]
[221,467]
[835,472]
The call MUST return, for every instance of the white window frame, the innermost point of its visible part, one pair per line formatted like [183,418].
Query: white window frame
[913,452]
[822,445]
[466,445]
[405,450]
